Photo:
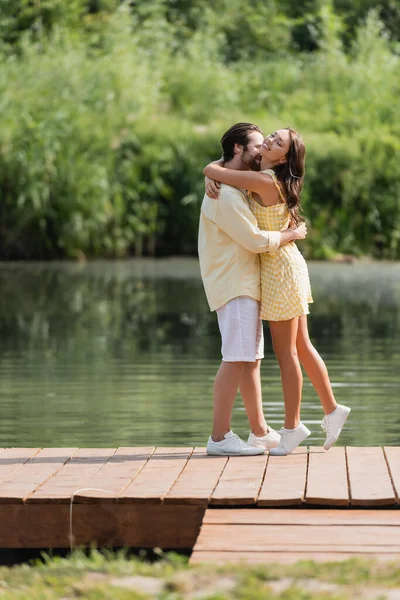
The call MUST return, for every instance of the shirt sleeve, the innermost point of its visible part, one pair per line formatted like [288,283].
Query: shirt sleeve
[235,218]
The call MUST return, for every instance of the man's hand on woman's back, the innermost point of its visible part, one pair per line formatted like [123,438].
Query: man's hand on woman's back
[291,234]
[299,231]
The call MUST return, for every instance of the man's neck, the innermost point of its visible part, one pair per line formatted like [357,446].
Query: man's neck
[236,164]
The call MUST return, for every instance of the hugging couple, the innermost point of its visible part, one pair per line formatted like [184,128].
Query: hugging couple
[252,270]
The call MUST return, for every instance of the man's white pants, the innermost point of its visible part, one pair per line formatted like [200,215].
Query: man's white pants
[241,330]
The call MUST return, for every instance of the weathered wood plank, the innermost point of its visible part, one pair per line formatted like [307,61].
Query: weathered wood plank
[283,558]
[240,481]
[294,516]
[393,459]
[135,525]
[369,478]
[12,459]
[73,476]
[157,477]
[295,538]
[327,477]
[115,475]
[285,479]
[33,473]
[198,479]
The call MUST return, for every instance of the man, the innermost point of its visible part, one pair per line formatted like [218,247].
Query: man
[229,244]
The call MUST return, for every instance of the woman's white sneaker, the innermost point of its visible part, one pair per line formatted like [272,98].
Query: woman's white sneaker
[290,439]
[332,424]
[232,445]
[268,441]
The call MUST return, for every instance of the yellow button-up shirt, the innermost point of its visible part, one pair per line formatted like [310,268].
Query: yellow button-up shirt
[229,244]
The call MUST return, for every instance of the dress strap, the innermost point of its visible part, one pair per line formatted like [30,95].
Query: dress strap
[271,172]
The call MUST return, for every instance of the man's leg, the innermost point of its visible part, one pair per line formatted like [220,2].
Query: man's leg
[242,337]
[250,389]
[225,389]
[238,348]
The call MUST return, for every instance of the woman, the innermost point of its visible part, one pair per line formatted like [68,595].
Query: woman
[274,199]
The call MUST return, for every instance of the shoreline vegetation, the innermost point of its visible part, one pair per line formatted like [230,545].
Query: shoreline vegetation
[111,575]
[111,109]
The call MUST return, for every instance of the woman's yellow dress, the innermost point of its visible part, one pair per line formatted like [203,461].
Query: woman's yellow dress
[285,283]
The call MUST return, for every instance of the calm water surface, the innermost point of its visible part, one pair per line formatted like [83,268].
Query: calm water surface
[125,353]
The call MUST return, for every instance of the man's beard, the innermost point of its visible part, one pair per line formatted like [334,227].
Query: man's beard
[250,161]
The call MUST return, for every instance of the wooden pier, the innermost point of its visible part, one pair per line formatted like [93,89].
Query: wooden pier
[311,504]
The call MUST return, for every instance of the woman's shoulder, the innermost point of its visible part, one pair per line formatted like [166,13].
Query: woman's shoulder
[272,177]
[269,172]
[274,180]
[263,207]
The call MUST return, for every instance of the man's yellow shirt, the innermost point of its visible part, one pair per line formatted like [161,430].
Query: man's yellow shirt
[229,244]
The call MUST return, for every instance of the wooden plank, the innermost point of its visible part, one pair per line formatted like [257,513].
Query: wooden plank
[157,477]
[283,558]
[295,538]
[369,478]
[294,516]
[198,479]
[327,477]
[285,479]
[240,481]
[115,475]
[73,476]
[112,525]
[12,459]
[392,454]
[33,473]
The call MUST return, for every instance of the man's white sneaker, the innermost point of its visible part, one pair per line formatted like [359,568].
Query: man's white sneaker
[333,423]
[232,445]
[290,439]
[269,440]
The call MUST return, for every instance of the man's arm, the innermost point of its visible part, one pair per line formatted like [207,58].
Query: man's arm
[235,218]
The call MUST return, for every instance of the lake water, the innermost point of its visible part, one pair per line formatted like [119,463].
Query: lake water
[125,353]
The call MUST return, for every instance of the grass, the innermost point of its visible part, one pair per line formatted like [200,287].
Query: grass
[117,576]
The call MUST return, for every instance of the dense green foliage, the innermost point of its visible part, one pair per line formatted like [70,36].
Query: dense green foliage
[109,111]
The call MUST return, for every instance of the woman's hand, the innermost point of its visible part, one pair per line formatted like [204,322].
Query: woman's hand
[212,188]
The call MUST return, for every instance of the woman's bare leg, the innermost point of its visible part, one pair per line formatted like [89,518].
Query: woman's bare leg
[250,389]
[284,335]
[315,367]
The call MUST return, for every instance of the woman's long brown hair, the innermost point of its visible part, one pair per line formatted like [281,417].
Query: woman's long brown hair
[291,174]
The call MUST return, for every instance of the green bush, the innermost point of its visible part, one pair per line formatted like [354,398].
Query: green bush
[104,132]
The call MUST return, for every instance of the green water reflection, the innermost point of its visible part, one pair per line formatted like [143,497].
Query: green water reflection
[124,354]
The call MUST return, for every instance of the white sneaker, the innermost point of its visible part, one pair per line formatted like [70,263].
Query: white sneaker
[332,424]
[290,439]
[232,445]
[269,440]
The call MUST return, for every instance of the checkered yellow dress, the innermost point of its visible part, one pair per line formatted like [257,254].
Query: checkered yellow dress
[285,283]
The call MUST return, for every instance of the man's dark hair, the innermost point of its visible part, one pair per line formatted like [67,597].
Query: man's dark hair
[237,134]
